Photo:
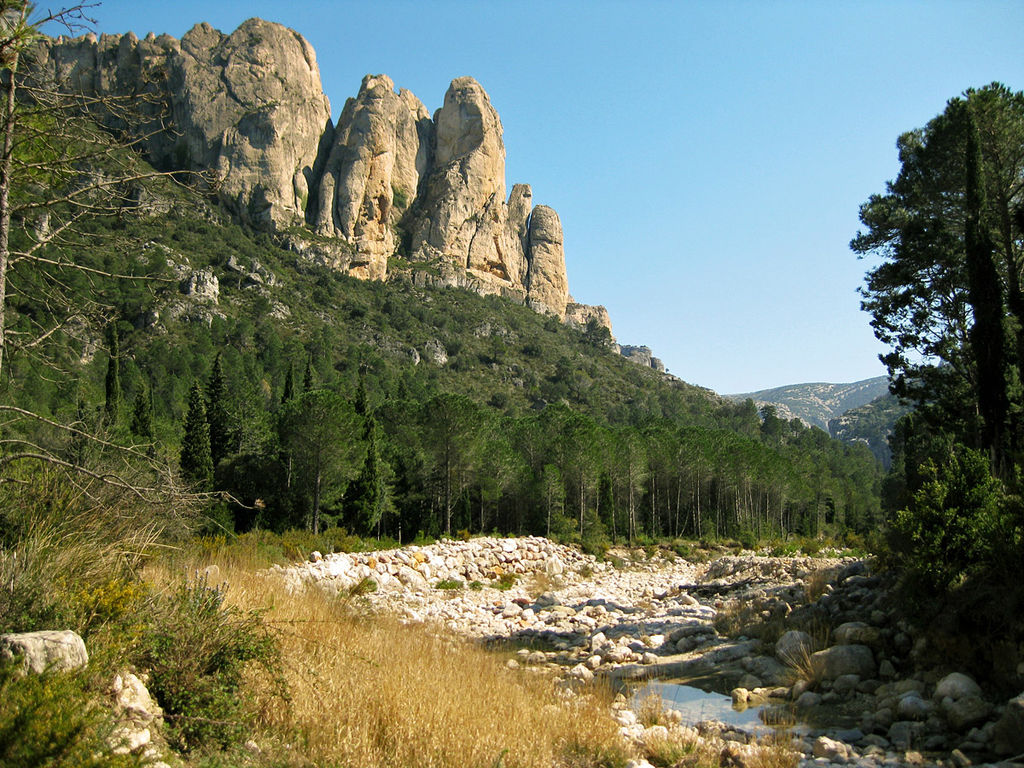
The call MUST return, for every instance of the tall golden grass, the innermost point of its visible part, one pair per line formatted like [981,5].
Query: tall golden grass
[370,691]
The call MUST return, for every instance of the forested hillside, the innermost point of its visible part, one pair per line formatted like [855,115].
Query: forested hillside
[393,409]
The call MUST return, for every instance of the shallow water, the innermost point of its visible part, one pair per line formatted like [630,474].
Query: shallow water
[696,705]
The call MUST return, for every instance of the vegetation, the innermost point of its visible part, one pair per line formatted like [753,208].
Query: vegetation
[946,296]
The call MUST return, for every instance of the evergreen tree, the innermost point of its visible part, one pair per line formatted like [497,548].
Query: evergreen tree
[142,414]
[372,494]
[196,464]
[985,295]
[307,377]
[113,381]
[217,413]
[289,384]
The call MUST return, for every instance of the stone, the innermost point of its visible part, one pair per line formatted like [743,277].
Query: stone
[133,698]
[843,660]
[886,670]
[956,685]
[846,684]
[750,682]
[829,749]
[966,711]
[740,696]
[770,671]
[913,707]
[1008,731]
[807,699]
[960,760]
[903,733]
[792,646]
[855,633]
[53,650]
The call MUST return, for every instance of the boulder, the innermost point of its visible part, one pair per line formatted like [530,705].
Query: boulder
[966,711]
[1008,732]
[956,685]
[793,646]
[856,633]
[45,650]
[843,660]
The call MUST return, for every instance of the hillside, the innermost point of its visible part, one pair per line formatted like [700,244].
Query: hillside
[818,403]
[871,424]
[270,357]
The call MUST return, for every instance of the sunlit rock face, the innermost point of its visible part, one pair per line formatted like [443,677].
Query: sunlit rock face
[247,110]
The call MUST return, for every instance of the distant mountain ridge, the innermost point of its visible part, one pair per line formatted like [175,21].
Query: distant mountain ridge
[817,403]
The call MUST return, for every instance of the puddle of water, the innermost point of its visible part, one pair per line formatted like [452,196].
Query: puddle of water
[697,705]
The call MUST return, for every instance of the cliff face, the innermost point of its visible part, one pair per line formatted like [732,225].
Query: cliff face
[248,109]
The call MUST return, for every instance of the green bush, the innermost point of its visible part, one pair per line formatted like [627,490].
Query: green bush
[196,650]
[448,584]
[54,721]
[954,524]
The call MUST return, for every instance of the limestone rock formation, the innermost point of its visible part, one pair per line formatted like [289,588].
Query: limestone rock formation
[247,110]
[381,150]
[579,316]
[248,107]
[547,282]
[463,217]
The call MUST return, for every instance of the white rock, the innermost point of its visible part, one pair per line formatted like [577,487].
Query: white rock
[47,649]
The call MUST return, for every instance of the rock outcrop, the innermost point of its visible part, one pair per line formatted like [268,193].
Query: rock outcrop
[246,109]
[247,112]
[381,151]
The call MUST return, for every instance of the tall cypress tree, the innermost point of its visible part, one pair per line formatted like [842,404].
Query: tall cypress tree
[196,464]
[307,378]
[985,295]
[289,384]
[217,413]
[113,381]
[142,414]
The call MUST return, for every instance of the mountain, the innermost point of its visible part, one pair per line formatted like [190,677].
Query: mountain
[387,180]
[818,403]
[870,424]
[368,290]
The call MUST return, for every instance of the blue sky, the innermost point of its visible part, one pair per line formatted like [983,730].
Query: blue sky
[707,159]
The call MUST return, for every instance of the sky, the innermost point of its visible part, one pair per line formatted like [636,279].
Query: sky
[707,159]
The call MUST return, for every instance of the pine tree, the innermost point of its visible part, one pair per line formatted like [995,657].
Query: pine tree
[372,493]
[196,464]
[113,381]
[217,413]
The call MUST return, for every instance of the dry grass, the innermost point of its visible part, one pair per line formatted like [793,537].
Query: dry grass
[816,583]
[370,691]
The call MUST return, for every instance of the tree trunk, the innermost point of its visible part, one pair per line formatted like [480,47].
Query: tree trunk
[5,199]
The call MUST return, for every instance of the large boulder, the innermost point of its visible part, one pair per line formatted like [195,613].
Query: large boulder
[381,150]
[956,685]
[843,660]
[45,650]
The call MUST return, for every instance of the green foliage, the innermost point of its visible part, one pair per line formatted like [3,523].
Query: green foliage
[195,460]
[449,584]
[54,721]
[954,522]
[196,649]
[505,581]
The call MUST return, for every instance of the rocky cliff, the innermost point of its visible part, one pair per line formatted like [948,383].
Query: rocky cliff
[248,111]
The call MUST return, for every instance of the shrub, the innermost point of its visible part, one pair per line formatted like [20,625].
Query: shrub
[505,581]
[196,650]
[448,584]
[53,720]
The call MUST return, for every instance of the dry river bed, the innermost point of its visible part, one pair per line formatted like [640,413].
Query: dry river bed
[584,621]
